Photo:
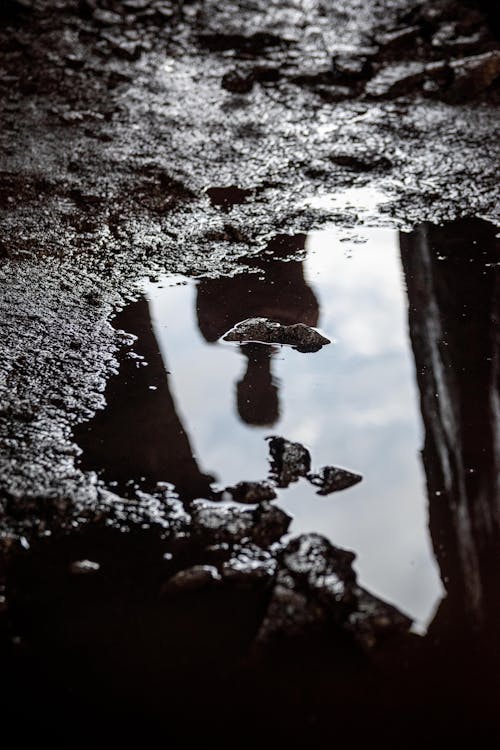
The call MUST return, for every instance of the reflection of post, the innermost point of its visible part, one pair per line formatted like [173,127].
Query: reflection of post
[139,433]
[257,392]
[280,293]
[453,313]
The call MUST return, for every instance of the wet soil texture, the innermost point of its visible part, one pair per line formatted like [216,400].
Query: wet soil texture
[249,379]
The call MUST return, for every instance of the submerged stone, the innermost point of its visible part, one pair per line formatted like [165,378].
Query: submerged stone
[252,492]
[265,331]
[248,565]
[373,620]
[217,524]
[316,586]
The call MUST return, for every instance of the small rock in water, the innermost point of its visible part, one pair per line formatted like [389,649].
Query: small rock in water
[84,567]
[270,524]
[289,461]
[265,331]
[252,492]
[332,479]
[192,579]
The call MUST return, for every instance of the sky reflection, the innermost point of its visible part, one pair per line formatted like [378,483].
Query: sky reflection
[354,403]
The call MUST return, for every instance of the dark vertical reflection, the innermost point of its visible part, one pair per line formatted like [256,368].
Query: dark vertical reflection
[139,434]
[452,280]
[281,293]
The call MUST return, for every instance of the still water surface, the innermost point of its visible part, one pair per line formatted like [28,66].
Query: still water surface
[354,404]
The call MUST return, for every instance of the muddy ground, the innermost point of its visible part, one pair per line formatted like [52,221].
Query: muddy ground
[139,138]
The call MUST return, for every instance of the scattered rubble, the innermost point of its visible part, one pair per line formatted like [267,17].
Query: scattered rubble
[216,524]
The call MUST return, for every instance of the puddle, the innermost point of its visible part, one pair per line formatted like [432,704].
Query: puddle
[190,409]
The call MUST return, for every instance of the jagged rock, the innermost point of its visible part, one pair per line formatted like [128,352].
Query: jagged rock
[289,461]
[315,563]
[472,75]
[249,565]
[216,524]
[192,579]
[238,81]
[265,331]
[373,620]
[332,479]
[252,492]
[395,80]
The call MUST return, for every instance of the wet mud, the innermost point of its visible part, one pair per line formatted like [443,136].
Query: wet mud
[249,373]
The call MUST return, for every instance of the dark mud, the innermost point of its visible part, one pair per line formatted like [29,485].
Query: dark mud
[142,594]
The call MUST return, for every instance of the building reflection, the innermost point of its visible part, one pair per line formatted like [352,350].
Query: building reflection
[454,311]
[276,290]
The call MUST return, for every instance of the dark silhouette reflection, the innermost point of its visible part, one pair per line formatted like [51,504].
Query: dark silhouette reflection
[281,293]
[139,434]
[258,398]
[454,309]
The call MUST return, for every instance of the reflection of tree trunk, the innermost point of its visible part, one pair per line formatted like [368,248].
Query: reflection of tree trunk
[453,315]
[139,433]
